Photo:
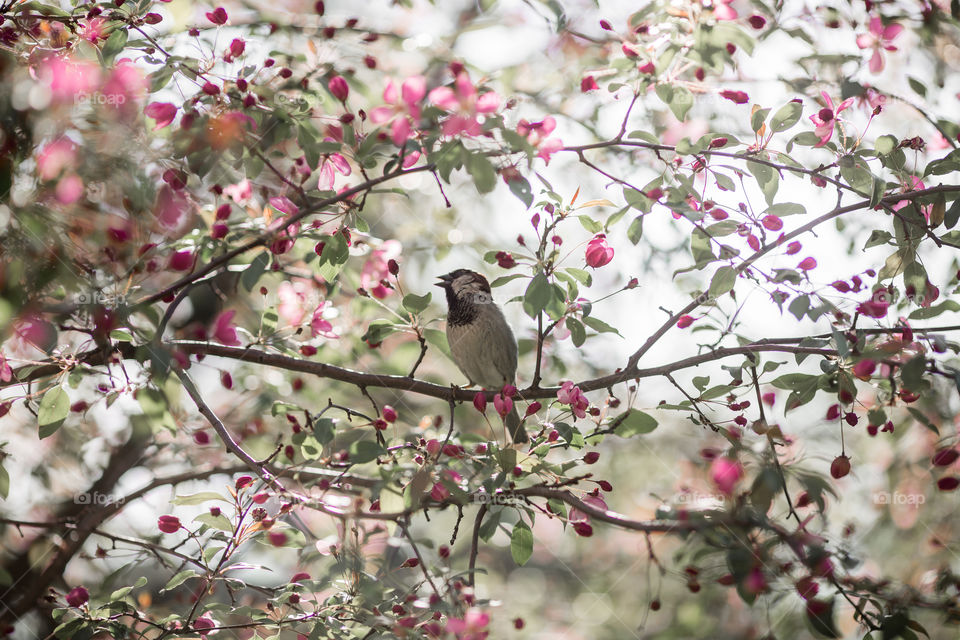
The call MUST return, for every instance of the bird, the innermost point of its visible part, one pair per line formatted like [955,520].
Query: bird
[481,341]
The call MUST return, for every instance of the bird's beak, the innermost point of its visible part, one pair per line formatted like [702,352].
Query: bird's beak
[444,281]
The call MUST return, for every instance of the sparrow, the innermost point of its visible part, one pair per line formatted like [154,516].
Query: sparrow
[481,341]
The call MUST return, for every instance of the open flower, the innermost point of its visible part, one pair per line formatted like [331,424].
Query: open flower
[878,38]
[538,135]
[93,30]
[471,627]
[376,269]
[827,117]
[401,111]
[465,104]
[224,331]
[571,395]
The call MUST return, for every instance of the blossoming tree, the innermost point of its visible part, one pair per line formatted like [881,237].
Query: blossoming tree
[723,232]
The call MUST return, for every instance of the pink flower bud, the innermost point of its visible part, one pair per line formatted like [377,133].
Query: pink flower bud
[339,88]
[77,596]
[217,16]
[168,524]
[480,401]
[389,413]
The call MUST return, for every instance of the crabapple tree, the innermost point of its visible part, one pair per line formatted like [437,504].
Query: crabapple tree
[724,232]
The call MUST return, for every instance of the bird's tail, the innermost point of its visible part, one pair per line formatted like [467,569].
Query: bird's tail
[515,427]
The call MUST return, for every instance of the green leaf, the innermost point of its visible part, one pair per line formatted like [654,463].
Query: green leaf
[952,215]
[520,187]
[483,172]
[365,451]
[878,237]
[885,145]
[590,224]
[767,179]
[917,86]
[4,484]
[251,275]
[218,522]
[521,543]
[723,281]
[581,275]
[415,304]
[678,98]
[757,119]
[538,295]
[633,423]
[936,310]
[179,579]
[786,116]
[577,333]
[114,44]
[54,408]
[198,498]
[635,230]
[378,330]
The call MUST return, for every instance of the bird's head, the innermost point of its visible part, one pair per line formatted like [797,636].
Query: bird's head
[464,284]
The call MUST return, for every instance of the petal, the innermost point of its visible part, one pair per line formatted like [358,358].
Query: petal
[865,40]
[444,98]
[410,159]
[549,124]
[876,62]
[283,204]
[843,105]
[876,26]
[892,31]
[390,93]
[488,102]
[413,90]
[380,115]
[827,99]
[400,131]
[340,164]
[465,88]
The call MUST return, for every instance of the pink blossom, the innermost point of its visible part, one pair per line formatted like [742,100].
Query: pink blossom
[824,119]
[162,112]
[723,11]
[725,474]
[55,157]
[878,38]
[217,16]
[576,515]
[170,208]
[69,78]
[124,87]
[241,192]
[204,623]
[320,326]
[93,30]
[570,394]
[471,626]
[588,83]
[6,373]
[376,269]
[402,111]
[292,298]
[69,189]
[503,404]
[807,264]
[876,307]
[283,204]
[224,331]
[598,253]
[465,103]
[333,162]
[538,135]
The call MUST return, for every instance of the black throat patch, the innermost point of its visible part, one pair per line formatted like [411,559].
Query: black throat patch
[460,311]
